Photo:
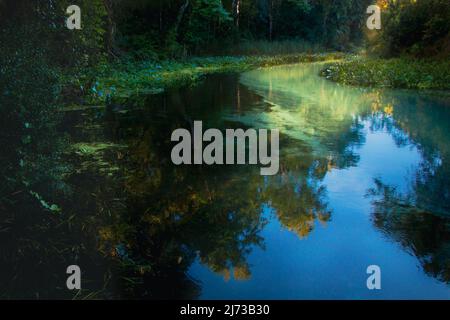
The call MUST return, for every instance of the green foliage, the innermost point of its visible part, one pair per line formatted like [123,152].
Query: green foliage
[208,21]
[419,28]
[28,119]
[392,73]
[90,40]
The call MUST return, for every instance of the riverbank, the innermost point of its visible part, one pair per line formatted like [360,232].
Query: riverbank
[128,77]
[401,73]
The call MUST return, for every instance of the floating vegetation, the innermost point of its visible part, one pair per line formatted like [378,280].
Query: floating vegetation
[52,207]
[99,156]
[392,73]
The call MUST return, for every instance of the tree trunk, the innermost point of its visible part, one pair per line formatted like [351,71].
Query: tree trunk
[270,19]
[180,16]
[236,12]
[112,29]
[160,17]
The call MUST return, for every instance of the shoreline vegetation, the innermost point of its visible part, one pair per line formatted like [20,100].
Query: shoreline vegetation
[395,73]
[129,77]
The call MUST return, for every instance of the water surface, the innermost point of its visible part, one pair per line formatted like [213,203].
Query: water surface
[364,180]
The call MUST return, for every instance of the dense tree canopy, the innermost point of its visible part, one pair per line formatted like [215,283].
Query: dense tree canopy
[417,27]
[174,28]
[196,25]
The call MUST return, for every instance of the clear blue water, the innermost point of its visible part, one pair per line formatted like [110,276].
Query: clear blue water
[364,181]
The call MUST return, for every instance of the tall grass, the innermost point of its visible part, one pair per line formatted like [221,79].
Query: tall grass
[265,47]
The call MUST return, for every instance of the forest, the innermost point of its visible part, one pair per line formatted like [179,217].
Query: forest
[87,115]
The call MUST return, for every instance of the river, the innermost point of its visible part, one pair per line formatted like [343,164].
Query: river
[364,180]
